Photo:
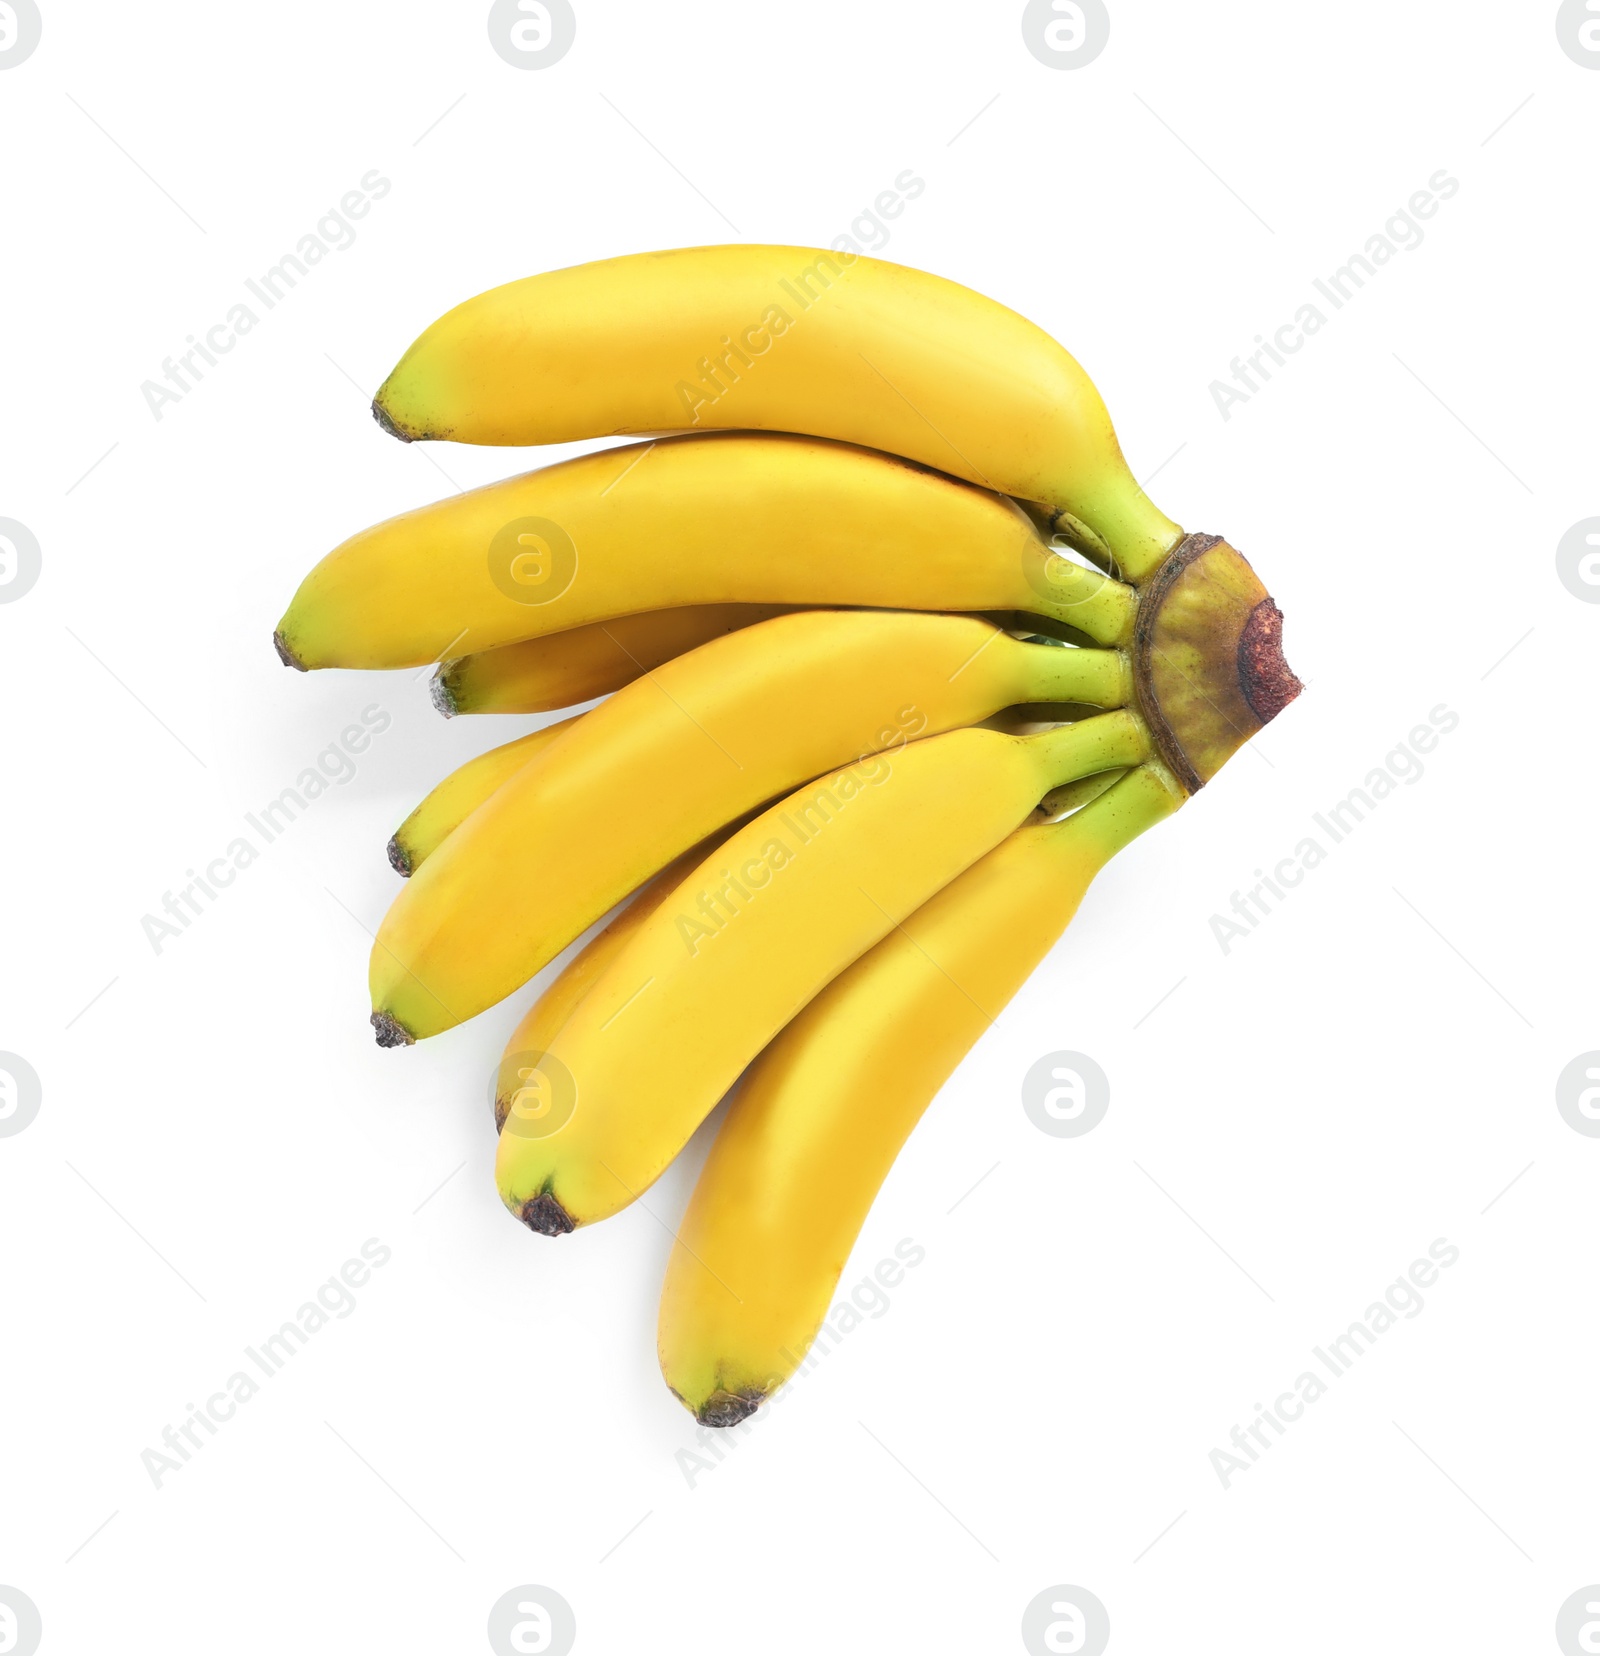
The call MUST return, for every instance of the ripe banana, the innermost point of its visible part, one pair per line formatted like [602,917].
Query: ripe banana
[675,756]
[755,931]
[783,339]
[461,793]
[825,1109]
[730,518]
[520,1080]
[576,666]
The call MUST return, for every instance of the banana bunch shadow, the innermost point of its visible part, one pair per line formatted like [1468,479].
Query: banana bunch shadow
[896,655]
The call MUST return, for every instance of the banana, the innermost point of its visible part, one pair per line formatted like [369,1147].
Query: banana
[783,339]
[675,756]
[752,934]
[825,1109]
[576,666]
[519,1074]
[461,793]
[721,519]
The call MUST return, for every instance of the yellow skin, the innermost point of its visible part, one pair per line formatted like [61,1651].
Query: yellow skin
[728,518]
[531,1039]
[576,666]
[825,1109]
[782,339]
[461,793]
[533,1035]
[671,758]
[752,934]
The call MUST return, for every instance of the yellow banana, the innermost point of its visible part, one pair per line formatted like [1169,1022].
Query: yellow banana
[461,793]
[524,1053]
[824,1111]
[671,758]
[748,938]
[783,339]
[730,518]
[576,666]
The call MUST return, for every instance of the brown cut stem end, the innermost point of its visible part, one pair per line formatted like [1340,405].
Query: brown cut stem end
[400,858]
[390,1031]
[1266,678]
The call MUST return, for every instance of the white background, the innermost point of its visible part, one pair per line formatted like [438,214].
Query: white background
[1293,1124]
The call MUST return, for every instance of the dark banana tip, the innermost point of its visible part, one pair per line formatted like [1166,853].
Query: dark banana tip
[381,415]
[724,1408]
[390,1031]
[502,1108]
[399,858]
[286,655]
[546,1216]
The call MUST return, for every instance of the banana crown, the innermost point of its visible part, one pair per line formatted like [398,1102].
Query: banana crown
[1209,669]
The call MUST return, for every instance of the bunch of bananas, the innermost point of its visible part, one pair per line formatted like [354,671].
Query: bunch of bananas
[897,655]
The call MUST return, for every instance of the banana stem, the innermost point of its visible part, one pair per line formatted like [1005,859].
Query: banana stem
[1122,528]
[1087,600]
[1058,673]
[1113,741]
[1073,796]
[1109,823]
